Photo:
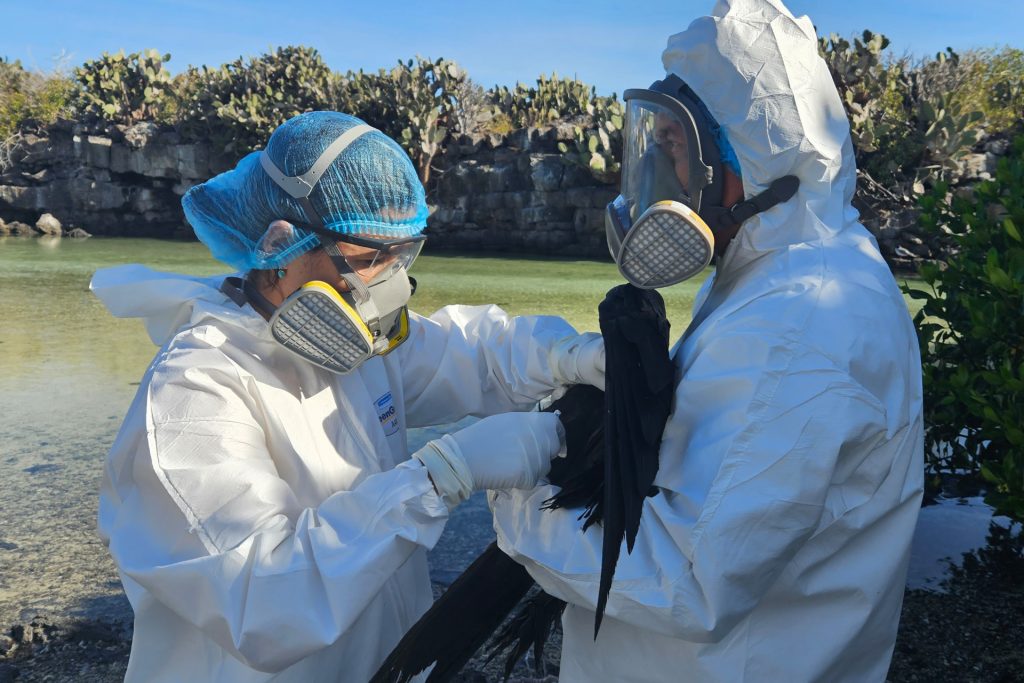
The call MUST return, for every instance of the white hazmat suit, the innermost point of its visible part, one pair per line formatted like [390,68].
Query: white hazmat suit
[791,467]
[265,517]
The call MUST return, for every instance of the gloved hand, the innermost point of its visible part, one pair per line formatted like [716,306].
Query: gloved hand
[579,360]
[512,450]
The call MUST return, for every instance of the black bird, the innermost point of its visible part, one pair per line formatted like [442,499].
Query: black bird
[612,441]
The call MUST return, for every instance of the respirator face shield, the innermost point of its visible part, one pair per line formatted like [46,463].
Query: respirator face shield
[653,228]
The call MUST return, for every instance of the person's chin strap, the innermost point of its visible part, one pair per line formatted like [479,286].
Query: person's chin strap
[781,190]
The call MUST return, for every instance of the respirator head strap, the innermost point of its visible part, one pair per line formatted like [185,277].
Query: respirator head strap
[781,190]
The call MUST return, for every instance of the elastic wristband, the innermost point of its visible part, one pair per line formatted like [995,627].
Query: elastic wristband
[441,473]
[457,463]
[449,472]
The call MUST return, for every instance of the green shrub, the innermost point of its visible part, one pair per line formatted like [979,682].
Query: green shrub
[30,99]
[416,103]
[553,99]
[598,146]
[873,91]
[911,124]
[238,105]
[123,88]
[971,330]
[946,124]
[994,85]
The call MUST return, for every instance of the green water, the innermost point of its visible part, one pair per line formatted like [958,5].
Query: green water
[62,353]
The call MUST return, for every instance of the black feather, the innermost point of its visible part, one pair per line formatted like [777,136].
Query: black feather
[612,443]
[638,399]
[530,626]
[460,621]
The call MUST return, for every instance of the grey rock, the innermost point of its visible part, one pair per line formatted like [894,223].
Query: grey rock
[504,177]
[974,165]
[78,233]
[578,197]
[576,176]
[997,147]
[588,221]
[193,161]
[49,225]
[93,150]
[181,188]
[563,131]
[602,196]
[19,228]
[546,172]
[138,135]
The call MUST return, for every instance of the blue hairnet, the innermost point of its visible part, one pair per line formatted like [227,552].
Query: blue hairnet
[371,188]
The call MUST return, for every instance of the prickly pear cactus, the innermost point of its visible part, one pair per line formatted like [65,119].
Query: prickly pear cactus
[123,88]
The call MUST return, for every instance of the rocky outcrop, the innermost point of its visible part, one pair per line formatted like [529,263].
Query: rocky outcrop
[519,195]
[490,193]
[127,181]
[493,193]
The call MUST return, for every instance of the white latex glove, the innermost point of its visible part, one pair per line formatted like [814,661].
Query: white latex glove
[579,360]
[507,451]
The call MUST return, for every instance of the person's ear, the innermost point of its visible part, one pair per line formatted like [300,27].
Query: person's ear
[732,188]
[277,236]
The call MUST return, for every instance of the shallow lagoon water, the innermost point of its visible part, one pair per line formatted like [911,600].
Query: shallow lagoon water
[68,371]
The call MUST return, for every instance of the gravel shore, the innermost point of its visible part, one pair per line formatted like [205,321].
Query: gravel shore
[972,633]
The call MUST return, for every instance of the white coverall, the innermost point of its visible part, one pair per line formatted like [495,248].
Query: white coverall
[791,467]
[263,513]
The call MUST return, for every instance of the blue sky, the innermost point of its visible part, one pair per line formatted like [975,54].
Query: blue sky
[603,43]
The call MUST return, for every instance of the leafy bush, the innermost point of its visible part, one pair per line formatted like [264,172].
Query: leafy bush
[553,99]
[910,124]
[971,331]
[238,105]
[993,83]
[872,94]
[946,124]
[598,147]
[30,99]
[417,103]
[123,88]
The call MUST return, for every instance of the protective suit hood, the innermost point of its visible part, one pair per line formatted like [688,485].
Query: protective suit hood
[166,301]
[757,69]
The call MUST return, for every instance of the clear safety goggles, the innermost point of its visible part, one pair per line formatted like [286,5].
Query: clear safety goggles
[377,254]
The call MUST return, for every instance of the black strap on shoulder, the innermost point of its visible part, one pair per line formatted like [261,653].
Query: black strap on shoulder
[779,191]
[242,292]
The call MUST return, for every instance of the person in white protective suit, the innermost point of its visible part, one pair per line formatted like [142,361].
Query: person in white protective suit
[791,467]
[260,502]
